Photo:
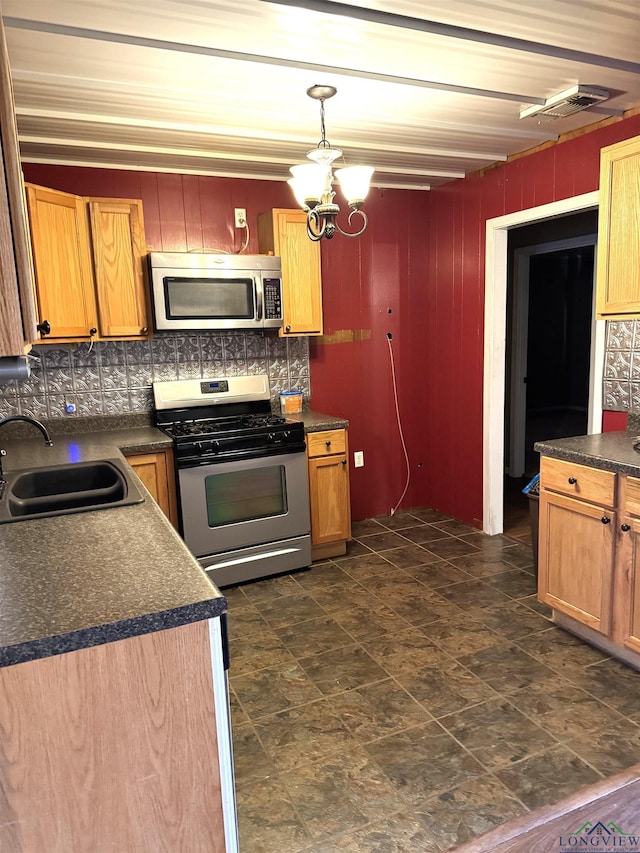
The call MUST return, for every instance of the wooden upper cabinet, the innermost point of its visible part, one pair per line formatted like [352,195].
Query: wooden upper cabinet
[89,264]
[62,261]
[284,233]
[117,239]
[618,276]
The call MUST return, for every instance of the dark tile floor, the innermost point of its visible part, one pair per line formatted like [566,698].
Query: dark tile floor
[413,694]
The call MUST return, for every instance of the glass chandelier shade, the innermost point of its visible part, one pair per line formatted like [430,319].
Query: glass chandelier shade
[312,183]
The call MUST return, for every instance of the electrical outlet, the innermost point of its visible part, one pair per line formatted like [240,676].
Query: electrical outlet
[358,458]
[241,217]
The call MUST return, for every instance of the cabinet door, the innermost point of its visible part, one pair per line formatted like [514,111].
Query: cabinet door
[157,473]
[62,260]
[618,278]
[117,239]
[576,559]
[284,232]
[329,498]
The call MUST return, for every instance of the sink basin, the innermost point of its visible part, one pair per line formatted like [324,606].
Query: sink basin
[61,489]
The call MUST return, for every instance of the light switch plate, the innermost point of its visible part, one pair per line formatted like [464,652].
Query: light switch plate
[358,458]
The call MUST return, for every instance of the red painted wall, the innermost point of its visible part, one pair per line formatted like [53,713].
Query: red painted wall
[417,272]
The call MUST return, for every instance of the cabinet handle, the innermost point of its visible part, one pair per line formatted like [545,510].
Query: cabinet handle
[93,331]
[572,481]
[625,527]
[144,330]
[44,328]
[344,461]
[328,443]
[605,520]
[287,328]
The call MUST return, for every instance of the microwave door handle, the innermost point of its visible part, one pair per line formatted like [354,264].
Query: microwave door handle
[259,299]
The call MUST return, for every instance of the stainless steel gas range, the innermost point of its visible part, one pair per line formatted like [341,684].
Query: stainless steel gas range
[242,476]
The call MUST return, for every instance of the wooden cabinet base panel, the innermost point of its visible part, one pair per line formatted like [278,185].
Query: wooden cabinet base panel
[331,549]
[616,799]
[595,638]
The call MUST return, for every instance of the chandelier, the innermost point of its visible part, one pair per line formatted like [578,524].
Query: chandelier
[311,182]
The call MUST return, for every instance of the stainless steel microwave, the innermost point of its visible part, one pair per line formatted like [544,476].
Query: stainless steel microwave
[204,291]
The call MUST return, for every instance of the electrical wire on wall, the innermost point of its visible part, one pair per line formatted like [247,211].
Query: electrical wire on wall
[404,446]
[215,251]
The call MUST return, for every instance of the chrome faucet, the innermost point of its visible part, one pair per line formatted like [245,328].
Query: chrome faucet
[28,420]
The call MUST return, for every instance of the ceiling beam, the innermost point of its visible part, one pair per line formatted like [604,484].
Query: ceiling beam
[204,50]
[391,19]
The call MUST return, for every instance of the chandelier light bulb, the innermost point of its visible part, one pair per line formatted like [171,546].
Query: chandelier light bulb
[354,182]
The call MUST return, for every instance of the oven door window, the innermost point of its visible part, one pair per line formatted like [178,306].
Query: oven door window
[245,495]
[209,298]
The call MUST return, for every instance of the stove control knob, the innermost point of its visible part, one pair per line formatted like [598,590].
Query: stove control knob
[272,436]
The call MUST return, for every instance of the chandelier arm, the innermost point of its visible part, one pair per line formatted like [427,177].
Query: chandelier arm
[365,221]
[315,227]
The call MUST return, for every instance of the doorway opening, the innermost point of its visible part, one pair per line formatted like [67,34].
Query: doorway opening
[495,350]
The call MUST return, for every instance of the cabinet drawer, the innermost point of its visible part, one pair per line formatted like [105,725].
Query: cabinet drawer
[326,443]
[579,481]
[632,503]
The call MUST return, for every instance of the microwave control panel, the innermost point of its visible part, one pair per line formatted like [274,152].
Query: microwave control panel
[272,298]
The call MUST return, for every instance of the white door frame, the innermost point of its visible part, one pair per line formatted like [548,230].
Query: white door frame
[495,330]
[519,342]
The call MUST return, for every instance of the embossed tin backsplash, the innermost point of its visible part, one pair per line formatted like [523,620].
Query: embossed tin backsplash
[621,382]
[115,377]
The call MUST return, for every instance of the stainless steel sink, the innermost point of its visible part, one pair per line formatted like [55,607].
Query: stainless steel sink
[62,489]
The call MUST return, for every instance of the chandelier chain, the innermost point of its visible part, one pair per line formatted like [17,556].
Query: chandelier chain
[324,142]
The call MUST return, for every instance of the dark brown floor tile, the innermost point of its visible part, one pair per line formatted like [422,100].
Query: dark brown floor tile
[313,637]
[383,541]
[345,669]
[424,607]
[564,710]
[369,620]
[400,521]
[547,777]
[298,608]
[445,688]
[423,761]
[516,583]
[614,683]
[305,735]
[354,593]
[468,810]
[438,573]
[480,565]
[251,762]
[322,574]
[496,547]
[367,527]
[460,635]
[367,565]
[424,533]
[400,833]
[455,528]
[268,821]
[473,594]
[404,651]
[511,620]
[561,651]
[396,585]
[236,597]
[409,555]
[270,589]
[257,648]
[520,556]
[451,547]
[244,621]
[355,548]
[505,668]
[336,795]
[378,710]
[609,750]
[238,716]
[496,733]
[271,690]
[531,601]
[429,515]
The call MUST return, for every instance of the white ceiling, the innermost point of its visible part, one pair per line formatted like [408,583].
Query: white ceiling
[426,92]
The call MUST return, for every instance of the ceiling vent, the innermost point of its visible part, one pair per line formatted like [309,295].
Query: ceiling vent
[568,102]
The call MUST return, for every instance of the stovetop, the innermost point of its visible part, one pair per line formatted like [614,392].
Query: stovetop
[241,424]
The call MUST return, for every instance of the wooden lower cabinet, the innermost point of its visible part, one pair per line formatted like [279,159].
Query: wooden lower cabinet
[327,456]
[589,549]
[117,747]
[156,470]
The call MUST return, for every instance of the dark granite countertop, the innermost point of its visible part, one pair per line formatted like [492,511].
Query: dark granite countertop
[316,422]
[612,451]
[79,580]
